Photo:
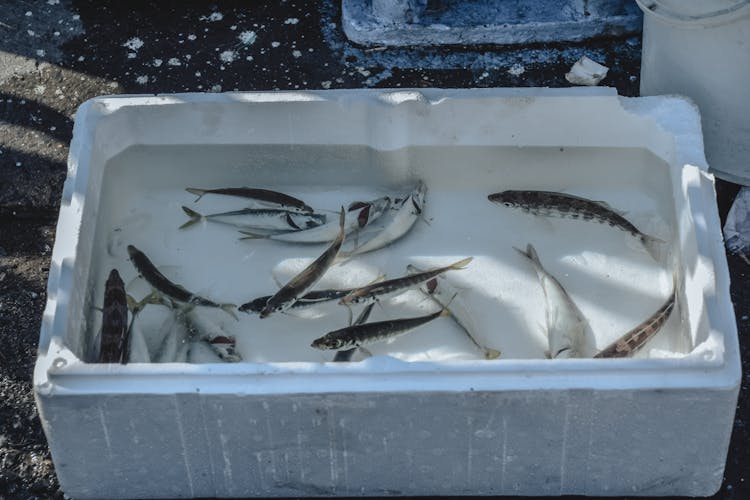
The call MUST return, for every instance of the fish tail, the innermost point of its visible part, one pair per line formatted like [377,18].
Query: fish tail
[195,217]
[653,245]
[461,263]
[530,254]
[197,192]
[229,309]
[490,353]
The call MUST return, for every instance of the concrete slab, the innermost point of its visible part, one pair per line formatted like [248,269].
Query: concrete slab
[401,23]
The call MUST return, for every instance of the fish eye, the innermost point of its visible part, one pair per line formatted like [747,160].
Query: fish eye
[507,203]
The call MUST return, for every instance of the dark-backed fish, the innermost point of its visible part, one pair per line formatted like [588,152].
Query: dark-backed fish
[114,321]
[347,354]
[311,298]
[269,219]
[172,290]
[379,290]
[304,281]
[635,339]
[552,204]
[370,333]
[264,196]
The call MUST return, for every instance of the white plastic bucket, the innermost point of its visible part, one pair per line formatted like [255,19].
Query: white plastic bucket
[701,49]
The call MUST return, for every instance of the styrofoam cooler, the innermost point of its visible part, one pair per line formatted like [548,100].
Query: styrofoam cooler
[655,425]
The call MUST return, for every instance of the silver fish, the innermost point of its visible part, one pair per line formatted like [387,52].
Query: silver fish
[566,325]
[259,219]
[377,291]
[262,196]
[406,214]
[359,216]
[552,204]
[304,281]
[635,339]
[347,354]
[369,333]
[172,290]
[443,293]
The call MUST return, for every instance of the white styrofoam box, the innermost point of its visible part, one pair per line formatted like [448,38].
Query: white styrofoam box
[403,424]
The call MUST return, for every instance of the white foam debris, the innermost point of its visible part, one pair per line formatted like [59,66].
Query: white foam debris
[133,44]
[173,61]
[247,37]
[737,226]
[215,16]
[296,54]
[227,56]
[275,44]
[291,20]
[516,70]
[156,63]
[143,79]
[586,72]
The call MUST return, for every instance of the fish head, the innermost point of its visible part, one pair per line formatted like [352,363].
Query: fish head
[328,342]
[254,306]
[132,251]
[272,307]
[506,198]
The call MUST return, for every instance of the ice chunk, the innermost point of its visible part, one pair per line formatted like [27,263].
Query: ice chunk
[586,72]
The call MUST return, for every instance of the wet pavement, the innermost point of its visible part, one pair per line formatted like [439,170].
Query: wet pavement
[55,54]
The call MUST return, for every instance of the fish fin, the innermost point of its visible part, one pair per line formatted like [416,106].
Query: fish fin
[490,353]
[530,254]
[350,314]
[197,192]
[653,245]
[461,263]
[251,236]
[445,311]
[364,315]
[365,351]
[289,221]
[229,309]
[380,277]
[195,217]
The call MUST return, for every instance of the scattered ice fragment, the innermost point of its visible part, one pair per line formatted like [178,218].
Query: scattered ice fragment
[586,72]
[326,84]
[157,63]
[233,27]
[275,44]
[216,88]
[247,37]
[18,164]
[40,52]
[30,32]
[81,58]
[143,79]
[29,13]
[39,89]
[173,61]
[131,55]
[133,44]
[76,17]
[56,33]
[215,16]
[516,70]
[249,58]
[191,37]
[291,20]
[227,56]
[737,226]
[296,53]
[53,2]
[198,73]
[362,71]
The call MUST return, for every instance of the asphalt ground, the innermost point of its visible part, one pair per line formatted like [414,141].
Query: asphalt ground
[56,54]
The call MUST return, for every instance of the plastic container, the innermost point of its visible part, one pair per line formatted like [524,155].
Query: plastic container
[701,49]
[658,424]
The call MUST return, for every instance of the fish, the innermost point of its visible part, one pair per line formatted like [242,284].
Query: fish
[361,214]
[406,214]
[370,333]
[114,321]
[262,196]
[377,291]
[552,204]
[635,339]
[259,219]
[310,299]
[443,293]
[566,325]
[304,281]
[347,354]
[172,290]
